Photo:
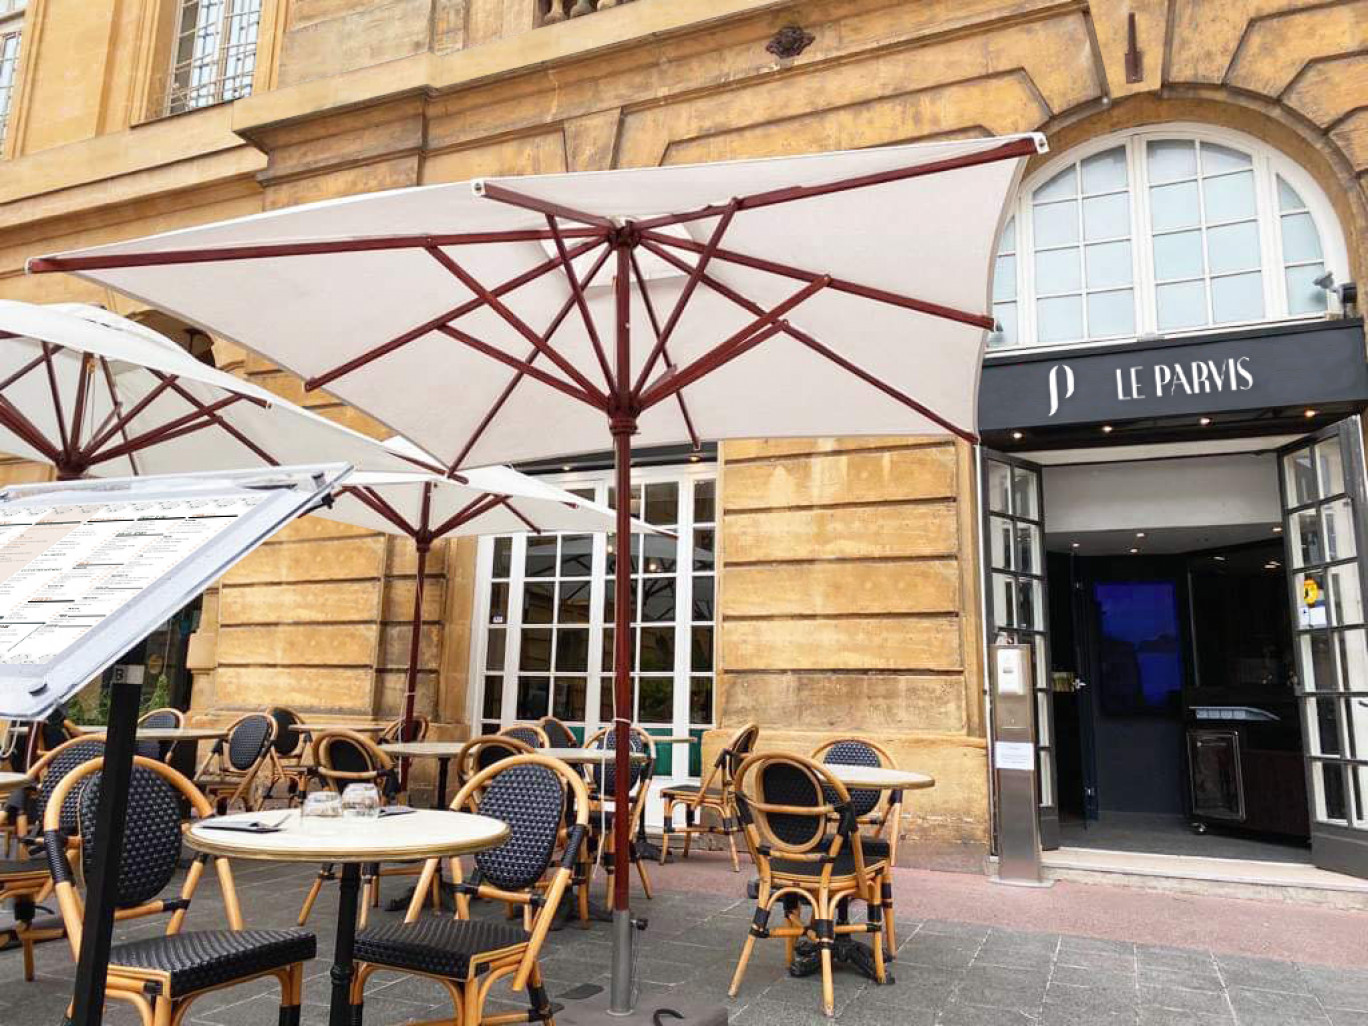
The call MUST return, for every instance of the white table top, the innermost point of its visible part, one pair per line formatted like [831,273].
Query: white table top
[675,739]
[166,733]
[9,781]
[875,777]
[357,728]
[425,749]
[587,755]
[422,834]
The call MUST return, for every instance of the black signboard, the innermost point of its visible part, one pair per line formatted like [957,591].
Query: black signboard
[1308,364]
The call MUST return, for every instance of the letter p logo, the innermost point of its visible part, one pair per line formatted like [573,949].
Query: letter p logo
[1057,372]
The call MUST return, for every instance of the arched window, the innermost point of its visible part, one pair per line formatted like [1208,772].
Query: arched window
[1162,231]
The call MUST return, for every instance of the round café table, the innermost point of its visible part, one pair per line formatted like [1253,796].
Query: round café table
[442,751]
[876,778]
[588,756]
[355,728]
[9,781]
[165,733]
[421,834]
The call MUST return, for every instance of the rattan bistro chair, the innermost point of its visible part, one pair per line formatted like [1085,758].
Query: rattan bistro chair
[607,807]
[468,956]
[235,763]
[166,717]
[557,733]
[807,850]
[162,975]
[479,753]
[713,797]
[417,730]
[529,734]
[285,761]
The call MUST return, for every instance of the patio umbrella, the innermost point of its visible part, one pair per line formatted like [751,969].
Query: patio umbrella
[429,507]
[838,293]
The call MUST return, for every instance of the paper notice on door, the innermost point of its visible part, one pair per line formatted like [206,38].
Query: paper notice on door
[1014,755]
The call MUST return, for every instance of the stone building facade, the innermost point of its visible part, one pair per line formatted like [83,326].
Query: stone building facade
[849,579]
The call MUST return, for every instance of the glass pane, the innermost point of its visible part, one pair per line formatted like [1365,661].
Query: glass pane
[1111,313]
[609,651]
[498,603]
[1171,159]
[1229,198]
[606,705]
[574,602]
[704,554]
[541,555]
[1105,172]
[701,651]
[1330,467]
[1304,296]
[569,701]
[1307,545]
[1004,600]
[494,650]
[1028,549]
[1346,595]
[1352,648]
[700,700]
[1328,782]
[1108,264]
[1219,160]
[1173,206]
[1000,542]
[1310,588]
[503,557]
[1042,717]
[1288,198]
[1004,278]
[1059,319]
[1029,609]
[1046,779]
[1237,298]
[1300,239]
[657,649]
[658,599]
[1178,255]
[662,503]
[1006,316]
[534,653]
[1107,217]
[534,697]
[1339,529]
[1181,305]
[1325,735]
[1024,493]
[999,487]
[655,699]
[576,555]
[572,650]
[1233,247]
[660,554]
[1061,186]
[703,597]
[609,600]
[1055,224]
[539,602]
[1298,477]
[491,707]
[1318,662]
[1007,244]
[704,494]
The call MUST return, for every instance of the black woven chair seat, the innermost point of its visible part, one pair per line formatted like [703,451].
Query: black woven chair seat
[874,848]
[436,946]
[199,959]
[690,791]
[845,866]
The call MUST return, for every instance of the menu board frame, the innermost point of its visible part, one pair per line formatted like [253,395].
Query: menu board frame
[266,500]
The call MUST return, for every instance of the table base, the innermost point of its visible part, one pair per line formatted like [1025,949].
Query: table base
[343,967]
[807,958]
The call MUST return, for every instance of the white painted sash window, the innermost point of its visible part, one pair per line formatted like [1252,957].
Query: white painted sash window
[214,56]
[11,35]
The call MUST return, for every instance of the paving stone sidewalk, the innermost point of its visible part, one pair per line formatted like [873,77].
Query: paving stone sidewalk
[946,973]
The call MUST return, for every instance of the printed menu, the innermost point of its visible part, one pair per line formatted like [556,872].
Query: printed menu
[65,568]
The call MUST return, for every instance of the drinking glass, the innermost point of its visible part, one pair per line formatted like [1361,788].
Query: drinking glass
[361,801]
[321,808]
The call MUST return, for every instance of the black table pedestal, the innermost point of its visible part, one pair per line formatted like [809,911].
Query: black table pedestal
[343,969]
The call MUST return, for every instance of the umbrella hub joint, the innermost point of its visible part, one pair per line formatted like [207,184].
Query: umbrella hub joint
[622,417]
[624,236]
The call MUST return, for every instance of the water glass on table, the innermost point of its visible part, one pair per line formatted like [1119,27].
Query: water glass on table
[321,809]
[361,801]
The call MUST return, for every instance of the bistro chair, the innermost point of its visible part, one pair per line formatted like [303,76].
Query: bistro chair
[165,717]
[479,753]
[802,833]
[285,760]
[882,840]
[161,976]
[25,880]
[558,733]
[395,732]
[715,797]
[529,734]
[9,742]
[606,806]
[234,764]
[542,800]
[342,757]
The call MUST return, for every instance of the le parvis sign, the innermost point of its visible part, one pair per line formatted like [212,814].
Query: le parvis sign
[1277,367]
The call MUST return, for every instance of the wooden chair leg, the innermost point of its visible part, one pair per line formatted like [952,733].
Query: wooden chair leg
[667,821]
[890,928]
[641,872]
[735,857]
[761,902]
[325,873]
[28,946]
[824,912]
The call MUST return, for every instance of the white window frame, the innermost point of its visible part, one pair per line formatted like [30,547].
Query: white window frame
[686,475]
[11,27]
[217,85]
[1269,164]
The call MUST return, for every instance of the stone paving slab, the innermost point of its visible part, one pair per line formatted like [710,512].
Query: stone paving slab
[947,972]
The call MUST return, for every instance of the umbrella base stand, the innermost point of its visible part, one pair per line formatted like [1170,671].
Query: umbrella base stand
[592,1010]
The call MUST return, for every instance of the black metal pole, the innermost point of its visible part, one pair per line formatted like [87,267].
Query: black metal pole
[102,888]
[341,1013]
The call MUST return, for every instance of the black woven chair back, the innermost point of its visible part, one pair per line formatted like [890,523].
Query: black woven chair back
[152,835]
[605,775]
[558,733]
[249,740]
[491,752]
[863,801]
[742,746]
[288,742]
[527,735]
[786,783]
[63,763]
[407,730]
[531,800]
[348,756]
[160,718]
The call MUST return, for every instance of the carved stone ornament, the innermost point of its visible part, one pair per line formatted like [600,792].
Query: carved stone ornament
[790,41]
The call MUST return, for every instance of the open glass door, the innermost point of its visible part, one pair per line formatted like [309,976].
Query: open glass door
[1018,607]
[1323,485]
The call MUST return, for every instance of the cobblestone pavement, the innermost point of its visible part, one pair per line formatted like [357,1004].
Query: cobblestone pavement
[947,972]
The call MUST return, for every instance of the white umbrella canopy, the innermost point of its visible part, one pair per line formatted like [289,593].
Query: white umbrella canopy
[521,318]
[97,394]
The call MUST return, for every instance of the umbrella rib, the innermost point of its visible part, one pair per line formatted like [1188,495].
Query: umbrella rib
[472,510]
[270,250]
[503,194]
[116,405]
[838,284]
[521,365]
[504,501]
[726,292]
[173,428]
[234,432]
[578,293]
[22,370]
[82,387]
[27,430]
[765,326]
[516,323]
[371,498]
[124,419]
[1016,148]
[664,353]
[663,336]
[56,399]
[357,362]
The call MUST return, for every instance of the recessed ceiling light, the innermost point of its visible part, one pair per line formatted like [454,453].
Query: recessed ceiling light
[695,458]
[1106,429]
[1308,413]
[566,467]
[1139,534]
[1017,435]
[1204,421]
[1219,559]
[1075,545]
[1278,529]
[1134,551]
